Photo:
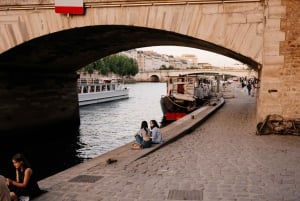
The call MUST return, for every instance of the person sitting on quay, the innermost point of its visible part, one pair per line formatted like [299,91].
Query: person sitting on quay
[142,137]
[25,183]
[156,136]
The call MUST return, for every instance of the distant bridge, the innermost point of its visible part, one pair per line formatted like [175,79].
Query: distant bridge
[160,75]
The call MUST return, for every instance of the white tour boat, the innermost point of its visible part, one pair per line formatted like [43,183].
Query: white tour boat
[91,91]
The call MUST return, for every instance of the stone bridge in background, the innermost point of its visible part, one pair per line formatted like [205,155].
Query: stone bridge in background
[40,50]
[161,75]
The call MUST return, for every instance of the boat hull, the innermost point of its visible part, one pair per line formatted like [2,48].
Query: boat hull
[174,110]
[173,116]
[101,97]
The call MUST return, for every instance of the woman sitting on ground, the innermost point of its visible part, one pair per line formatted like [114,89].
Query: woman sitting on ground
[156,135]
[25,184]
[142,137]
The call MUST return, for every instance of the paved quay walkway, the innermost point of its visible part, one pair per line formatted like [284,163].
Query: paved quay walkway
[221,160]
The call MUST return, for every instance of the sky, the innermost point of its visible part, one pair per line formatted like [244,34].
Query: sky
[214,59]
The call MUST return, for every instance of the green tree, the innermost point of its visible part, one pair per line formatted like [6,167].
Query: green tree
[89,68]
[134,68]
[102,68]
[118,64]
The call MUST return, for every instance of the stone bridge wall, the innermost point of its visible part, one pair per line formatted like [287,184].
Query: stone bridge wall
[236,26]
[36,100]
[280,73]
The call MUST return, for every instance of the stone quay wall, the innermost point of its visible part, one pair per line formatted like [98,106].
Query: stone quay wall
[37,100]
[279,91]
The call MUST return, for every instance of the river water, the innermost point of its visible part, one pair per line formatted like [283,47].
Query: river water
[103,127]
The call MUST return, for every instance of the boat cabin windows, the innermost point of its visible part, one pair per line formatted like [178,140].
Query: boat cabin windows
[84,90]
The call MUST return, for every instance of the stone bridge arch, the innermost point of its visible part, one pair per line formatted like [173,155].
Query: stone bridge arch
[155,78]
[71,41]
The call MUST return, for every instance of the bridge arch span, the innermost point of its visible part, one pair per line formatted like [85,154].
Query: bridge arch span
[72,49]
[155,78]
[74,41]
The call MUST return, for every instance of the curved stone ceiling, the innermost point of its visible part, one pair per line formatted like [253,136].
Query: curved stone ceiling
[70,50]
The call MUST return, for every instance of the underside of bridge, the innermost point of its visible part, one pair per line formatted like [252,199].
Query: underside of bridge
[38,78]
[70,50]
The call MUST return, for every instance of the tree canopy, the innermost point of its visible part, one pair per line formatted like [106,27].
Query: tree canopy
[118,64]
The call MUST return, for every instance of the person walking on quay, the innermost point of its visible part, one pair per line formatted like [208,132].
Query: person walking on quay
[25,183]
[156,135]
[4,191]
[249,87]
[142,137]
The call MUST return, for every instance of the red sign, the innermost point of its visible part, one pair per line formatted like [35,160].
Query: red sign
[69,6]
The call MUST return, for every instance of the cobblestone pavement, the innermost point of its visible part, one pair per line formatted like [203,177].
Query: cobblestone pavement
[221,160]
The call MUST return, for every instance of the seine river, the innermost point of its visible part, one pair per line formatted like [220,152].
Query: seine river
[104,127]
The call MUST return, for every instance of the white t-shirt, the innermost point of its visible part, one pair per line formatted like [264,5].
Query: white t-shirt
[156,135]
